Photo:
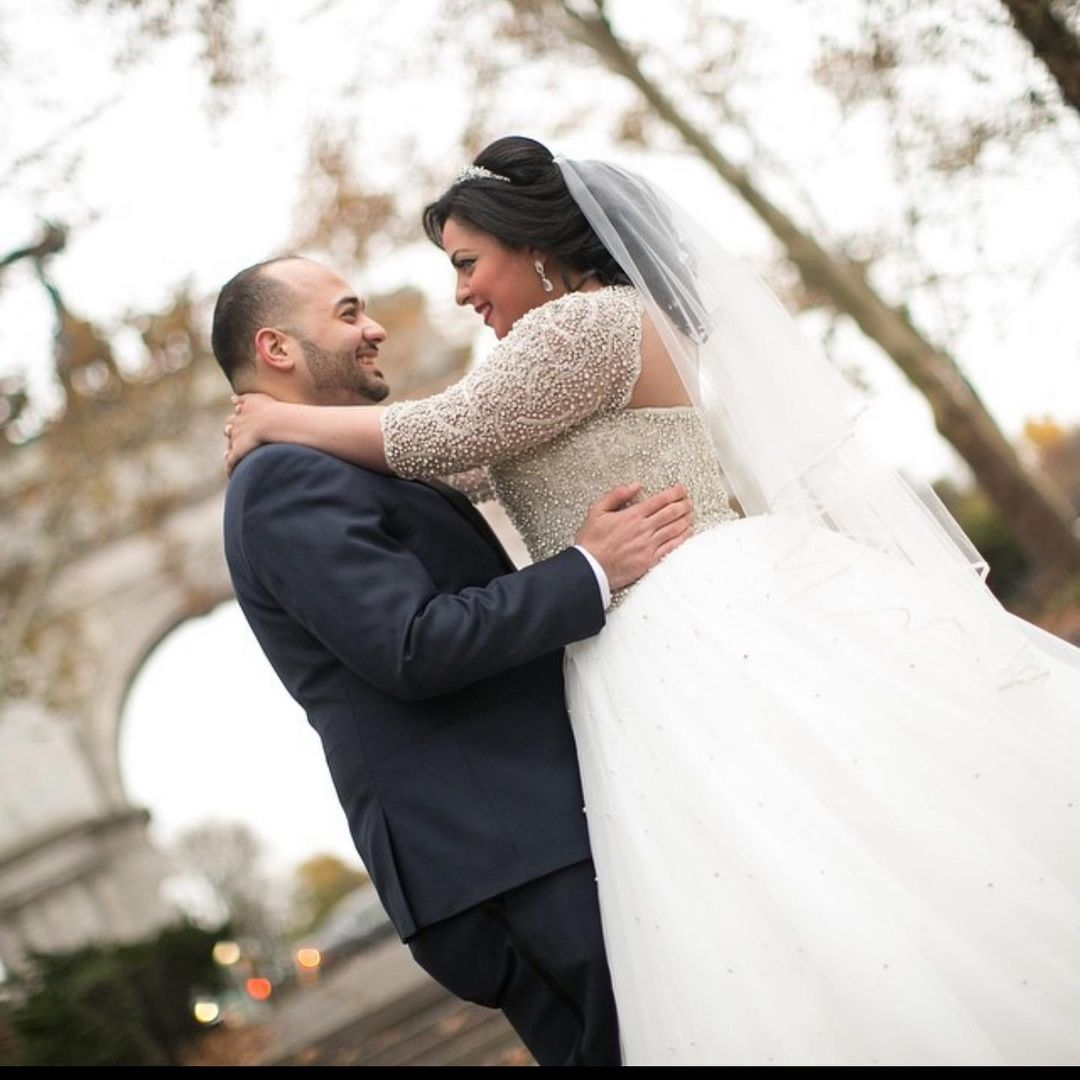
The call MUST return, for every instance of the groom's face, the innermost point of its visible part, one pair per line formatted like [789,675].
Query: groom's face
[337,343]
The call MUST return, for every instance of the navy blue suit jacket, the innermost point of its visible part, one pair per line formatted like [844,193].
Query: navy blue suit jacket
[431,671]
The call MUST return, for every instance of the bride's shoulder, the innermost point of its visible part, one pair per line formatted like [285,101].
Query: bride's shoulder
[612,302]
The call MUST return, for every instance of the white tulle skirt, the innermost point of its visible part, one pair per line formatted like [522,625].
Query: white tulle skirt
[833,823]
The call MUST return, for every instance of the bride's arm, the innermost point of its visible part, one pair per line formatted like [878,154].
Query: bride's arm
[562,362]
[474,484]
[350,432]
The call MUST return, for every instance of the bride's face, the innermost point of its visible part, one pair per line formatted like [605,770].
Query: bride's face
[499,283]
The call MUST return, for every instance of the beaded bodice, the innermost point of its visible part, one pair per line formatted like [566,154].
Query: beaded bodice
[548,490]
[547,415]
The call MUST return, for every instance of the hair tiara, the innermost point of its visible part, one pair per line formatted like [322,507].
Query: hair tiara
[478,172]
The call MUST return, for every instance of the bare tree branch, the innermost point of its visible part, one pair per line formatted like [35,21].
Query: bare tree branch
[1039,514]
[1054,41]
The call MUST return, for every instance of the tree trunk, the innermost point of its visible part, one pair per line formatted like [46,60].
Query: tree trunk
[1038,514]
[1054,43]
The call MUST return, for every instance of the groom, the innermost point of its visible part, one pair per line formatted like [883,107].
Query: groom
[431,670]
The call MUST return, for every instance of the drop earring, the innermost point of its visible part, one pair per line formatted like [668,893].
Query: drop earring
[545,281]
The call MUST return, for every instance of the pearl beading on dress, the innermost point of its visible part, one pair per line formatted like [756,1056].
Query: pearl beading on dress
[548,490]
[547,414]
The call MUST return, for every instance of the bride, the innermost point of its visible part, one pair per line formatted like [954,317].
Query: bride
[833,788]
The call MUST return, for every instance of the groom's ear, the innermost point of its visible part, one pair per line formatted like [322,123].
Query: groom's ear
[274,349]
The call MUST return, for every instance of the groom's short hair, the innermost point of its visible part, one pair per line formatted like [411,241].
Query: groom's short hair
[247,302]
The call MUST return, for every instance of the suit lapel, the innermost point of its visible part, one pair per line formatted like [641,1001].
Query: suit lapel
[472,515]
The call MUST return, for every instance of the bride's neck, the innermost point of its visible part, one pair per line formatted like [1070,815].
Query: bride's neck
[585,282]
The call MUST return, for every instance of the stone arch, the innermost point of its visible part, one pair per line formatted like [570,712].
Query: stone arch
[109,539]
[78,864]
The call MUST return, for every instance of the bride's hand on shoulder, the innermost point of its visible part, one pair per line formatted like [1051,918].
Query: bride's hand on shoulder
[250,425]
[349,432]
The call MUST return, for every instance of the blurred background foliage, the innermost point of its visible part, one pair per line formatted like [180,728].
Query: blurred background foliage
[107,1005]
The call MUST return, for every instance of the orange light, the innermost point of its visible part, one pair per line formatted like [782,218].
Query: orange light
[259,989]
[308,958]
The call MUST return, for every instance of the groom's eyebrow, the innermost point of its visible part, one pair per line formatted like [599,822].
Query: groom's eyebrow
[349,301]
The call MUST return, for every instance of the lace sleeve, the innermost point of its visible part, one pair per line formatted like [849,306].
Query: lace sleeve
[561,363]
[474,484]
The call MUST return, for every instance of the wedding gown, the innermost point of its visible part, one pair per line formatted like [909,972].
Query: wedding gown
[827,828]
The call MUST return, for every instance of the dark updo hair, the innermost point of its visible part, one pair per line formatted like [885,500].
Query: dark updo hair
[534,210]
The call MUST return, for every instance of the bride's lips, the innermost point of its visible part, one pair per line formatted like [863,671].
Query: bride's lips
[484,310]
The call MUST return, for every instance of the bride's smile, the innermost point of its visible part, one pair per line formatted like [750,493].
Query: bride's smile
[499,283]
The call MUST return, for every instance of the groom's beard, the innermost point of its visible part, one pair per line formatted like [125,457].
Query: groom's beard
[342,371]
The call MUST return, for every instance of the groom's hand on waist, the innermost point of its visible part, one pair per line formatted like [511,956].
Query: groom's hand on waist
[627,538]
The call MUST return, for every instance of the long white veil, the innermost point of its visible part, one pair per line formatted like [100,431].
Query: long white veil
[782,419]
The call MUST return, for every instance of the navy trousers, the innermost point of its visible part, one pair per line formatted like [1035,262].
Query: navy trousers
[537,953]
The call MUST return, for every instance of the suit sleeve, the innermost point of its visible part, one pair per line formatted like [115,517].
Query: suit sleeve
[318,539]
